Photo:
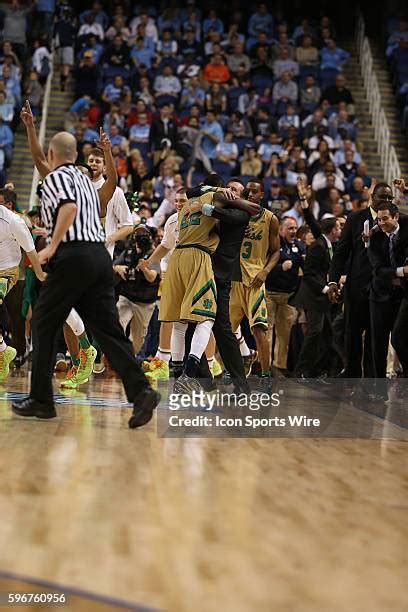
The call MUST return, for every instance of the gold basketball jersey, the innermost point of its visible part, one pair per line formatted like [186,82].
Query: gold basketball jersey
[255,246]
[198,229]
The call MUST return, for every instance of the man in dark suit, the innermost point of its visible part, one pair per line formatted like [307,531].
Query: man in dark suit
[317,349]
[388,255]
[350,258]
[163,132]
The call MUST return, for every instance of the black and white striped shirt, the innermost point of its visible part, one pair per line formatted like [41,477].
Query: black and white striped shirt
[67,184]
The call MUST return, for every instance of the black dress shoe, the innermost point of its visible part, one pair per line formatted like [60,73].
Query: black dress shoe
[143,408]
[31,408]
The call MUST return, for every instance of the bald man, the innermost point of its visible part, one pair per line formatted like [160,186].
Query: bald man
[70,213]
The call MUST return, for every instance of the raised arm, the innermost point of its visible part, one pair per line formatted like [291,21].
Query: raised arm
[305,195]
[108,188]
[37,153]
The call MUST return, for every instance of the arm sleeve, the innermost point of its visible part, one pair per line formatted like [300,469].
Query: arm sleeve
[377,262]
[122,211]
[62,188]
[313,263]
[312,223]
[22,234]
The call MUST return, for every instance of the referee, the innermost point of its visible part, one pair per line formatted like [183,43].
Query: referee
[80,276]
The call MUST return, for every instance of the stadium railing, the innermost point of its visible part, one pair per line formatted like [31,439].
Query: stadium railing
[387,152]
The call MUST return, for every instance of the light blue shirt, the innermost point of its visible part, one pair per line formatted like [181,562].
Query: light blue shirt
[208,146]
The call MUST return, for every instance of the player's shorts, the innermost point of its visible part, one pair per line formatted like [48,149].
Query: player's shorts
[249,302]
[8,278]
[189,293]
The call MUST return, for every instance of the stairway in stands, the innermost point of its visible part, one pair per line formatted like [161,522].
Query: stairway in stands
[21,169]
[368,146]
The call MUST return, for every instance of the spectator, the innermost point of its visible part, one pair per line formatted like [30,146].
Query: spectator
[361,172]
[41,60]
[227,150]
[45,10]
[166,86]
[12,85]
[34,93]
[189,45]
[216,71]
[263,123]
[210,135]
[193,94]
[139,132]
[116,90]
[239,126]
[212,21]
[238,58]
[248,102]
[260,21]
[285,64]
[97,13]
[145,94]
[90,26]
[288,119]
[6,109]
[309,94]
[188,69]
[6,140]
[285,90]
[64,36]
[142,53]
[332,57]
[148,25]
[95,47]
[320,178]
[306,53]
[15,26]
[167,45]
[216,100]
[117,53]
[338,93]
[118,27]
[86,77]
[349,166]
[163,132]
[251,165]
[272,145]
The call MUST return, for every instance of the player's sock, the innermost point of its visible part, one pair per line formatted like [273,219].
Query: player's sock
[84,341]
[178,341]
[177,368]
[243,347]
[192,366]
[200,338]
[163,354]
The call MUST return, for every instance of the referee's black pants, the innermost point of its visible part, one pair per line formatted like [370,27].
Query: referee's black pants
[81,277]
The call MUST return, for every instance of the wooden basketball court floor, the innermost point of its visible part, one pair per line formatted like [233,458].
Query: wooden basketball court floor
[121,519]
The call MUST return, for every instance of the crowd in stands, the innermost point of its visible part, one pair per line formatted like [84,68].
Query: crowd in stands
[184,91]
[396,52]
[24,65]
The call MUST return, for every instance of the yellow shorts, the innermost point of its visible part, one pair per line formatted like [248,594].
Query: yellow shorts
[8,278]
[189,293]
[249,302]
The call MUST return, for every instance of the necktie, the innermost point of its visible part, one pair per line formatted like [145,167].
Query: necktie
[331,252]
[393,261]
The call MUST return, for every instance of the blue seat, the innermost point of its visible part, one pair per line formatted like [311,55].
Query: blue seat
[222,168]
[328,77]
[261,82]
[241,142]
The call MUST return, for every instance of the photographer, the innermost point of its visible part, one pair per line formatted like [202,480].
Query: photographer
[138,286]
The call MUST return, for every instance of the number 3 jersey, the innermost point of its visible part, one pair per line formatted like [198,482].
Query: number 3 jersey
[255,246]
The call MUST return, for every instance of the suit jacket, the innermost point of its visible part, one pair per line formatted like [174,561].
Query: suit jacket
[350,256]
[317,264]
[157,133]
[382,287]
